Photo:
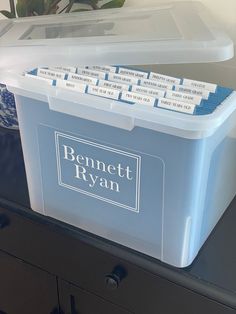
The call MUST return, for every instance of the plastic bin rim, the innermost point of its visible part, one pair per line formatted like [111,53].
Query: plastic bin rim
[166,121]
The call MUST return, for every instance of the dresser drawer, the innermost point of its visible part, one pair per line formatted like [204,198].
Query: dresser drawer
[26,289]
[74,300]
[70,256]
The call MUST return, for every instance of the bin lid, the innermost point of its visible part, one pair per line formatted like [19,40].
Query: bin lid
[181,32]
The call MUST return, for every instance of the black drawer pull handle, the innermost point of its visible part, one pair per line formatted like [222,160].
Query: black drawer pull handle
[73,305]
[4,221]
[114,279]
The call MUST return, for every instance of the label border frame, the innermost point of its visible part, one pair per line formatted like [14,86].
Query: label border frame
[135,209]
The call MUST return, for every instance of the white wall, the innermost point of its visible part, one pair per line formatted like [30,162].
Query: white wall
[4,5]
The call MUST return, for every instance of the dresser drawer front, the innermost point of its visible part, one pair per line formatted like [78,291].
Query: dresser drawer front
[69,255]
[74,300]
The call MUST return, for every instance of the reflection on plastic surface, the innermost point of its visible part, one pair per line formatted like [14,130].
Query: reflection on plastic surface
[137,27]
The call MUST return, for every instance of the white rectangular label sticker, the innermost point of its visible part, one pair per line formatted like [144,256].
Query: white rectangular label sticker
[64,69]
[202,85]
[148,91]
[35,77]
[93,73]
[82,78]
[164,78]
[104,92]
[138,98]
[134,73]
[51,74]
[105,68]
[122,78]
[119,86]
[193,91]
[156,84]
[78,87]
[191,99]
[98,171]
[176,105]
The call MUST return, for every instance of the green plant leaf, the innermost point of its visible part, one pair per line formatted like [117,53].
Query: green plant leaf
[7,14]
[21,8]
[51,6]
[36,6]
[47,4]
[113,4]
[81,10]
[91,3]
[12,7]
[29,7]
[87,1]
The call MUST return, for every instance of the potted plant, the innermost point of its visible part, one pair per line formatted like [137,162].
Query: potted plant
[24,8]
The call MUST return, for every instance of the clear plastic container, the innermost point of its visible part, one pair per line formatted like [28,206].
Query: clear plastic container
[155,181]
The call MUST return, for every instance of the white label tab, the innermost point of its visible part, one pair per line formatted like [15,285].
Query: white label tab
[134,73]
[202,85]
[191,99]
[119,86]
[138,98]
[82,78]
[176,105]
[35,77]
[64,69]
[156,84]
[164,78]
[104,92]
[93,73]
[148,91]
[78,87]
[51,74]
[122,78]
[105,68]
[193,91]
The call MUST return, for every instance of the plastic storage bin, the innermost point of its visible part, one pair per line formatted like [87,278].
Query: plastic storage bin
[163,179]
